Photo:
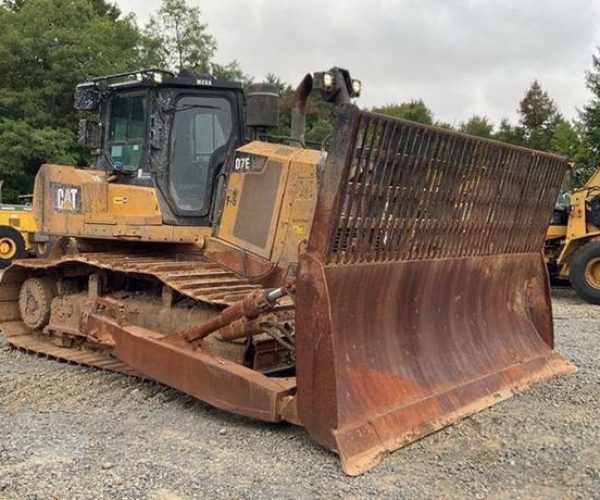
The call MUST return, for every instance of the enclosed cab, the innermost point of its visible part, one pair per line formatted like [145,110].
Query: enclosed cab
[160,143]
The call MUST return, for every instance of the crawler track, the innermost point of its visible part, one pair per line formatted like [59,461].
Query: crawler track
[196,278]
[20,337]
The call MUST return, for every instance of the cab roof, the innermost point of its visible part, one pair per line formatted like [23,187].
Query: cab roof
[89,94]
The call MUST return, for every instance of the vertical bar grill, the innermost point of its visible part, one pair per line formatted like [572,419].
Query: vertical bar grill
[414,192]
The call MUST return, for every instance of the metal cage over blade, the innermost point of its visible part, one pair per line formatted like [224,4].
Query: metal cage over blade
[422,295]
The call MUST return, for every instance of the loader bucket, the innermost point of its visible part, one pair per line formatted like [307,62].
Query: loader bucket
[422,295]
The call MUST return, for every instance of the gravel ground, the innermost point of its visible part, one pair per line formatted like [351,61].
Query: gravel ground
[71,432]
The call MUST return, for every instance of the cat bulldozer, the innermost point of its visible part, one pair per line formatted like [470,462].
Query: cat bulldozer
[572,245]
[373,291]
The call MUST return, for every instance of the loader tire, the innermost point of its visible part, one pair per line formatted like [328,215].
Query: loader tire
[585,272]
[12,246]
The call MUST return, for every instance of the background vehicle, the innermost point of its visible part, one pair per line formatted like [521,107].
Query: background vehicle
[572,247]
[19,237]
[16,229]
[372,294]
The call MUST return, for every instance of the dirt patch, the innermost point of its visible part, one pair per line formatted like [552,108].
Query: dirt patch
[71,432]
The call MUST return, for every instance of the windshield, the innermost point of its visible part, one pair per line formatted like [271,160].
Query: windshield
[563,201]
[201,126]
[127,130]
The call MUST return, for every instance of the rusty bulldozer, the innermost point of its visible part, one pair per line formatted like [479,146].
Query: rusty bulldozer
[373,294]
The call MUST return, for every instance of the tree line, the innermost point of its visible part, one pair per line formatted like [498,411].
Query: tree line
[540,125]
[48,46]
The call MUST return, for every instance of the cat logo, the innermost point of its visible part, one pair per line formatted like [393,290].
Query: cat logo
[66,197]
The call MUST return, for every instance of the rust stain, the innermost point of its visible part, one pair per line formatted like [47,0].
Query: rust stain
[422,296]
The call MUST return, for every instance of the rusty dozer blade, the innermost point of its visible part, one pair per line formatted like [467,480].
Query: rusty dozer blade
[422,295]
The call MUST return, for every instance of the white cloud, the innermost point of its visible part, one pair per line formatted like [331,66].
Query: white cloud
[461,56]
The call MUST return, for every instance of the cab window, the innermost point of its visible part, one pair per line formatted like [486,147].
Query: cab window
[127,131]
[201,126]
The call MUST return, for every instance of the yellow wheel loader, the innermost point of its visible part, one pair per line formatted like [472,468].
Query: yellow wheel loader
[19,237]
[572,245]
[373,293]
[16,228]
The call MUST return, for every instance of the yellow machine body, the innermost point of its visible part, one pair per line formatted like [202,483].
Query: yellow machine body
[19,217]
[270,213]
[572,248]
[85,203]
[17,232]
[267,213]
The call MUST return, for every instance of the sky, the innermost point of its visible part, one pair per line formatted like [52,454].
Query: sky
[462,57]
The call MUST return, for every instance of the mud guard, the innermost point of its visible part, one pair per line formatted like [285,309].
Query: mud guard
[422,296]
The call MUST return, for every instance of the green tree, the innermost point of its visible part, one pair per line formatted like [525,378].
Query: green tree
[180,37]
[105,8]
[478,125]
[13,5]
[446,125]
[512,134]
[230,72]
[414,110]
[46,48]
[590,118]
[273,79]
[539,117]
[318,130]
[566,141]
[320,115]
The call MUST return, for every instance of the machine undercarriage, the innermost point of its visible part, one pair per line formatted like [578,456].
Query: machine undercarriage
[71,307]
